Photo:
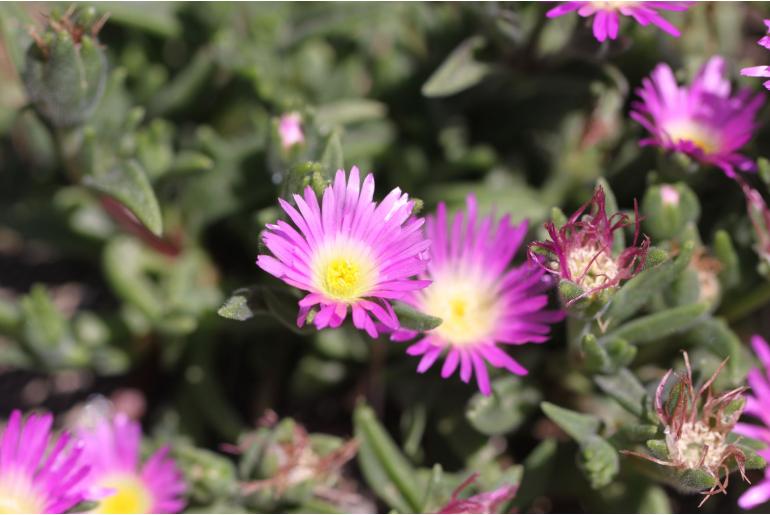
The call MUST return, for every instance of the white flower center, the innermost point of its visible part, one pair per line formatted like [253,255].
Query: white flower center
[466,304]
[17,495]
[591,267]
[698,446]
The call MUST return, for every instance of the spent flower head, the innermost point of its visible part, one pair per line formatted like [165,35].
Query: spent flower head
[581,251]
[607,15]
[697,424]
[348,252]
[704,120]
[484,502]
[483,301]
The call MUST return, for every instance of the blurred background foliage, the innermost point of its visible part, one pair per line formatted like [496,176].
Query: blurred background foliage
[133,193]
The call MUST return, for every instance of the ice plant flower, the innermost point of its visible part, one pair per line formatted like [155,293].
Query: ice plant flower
[290,130]
[760,71]
[117,478]
[485,502]
[31,482]
[607,15]
[703,120]
[580,251]
[482,301]
[348,253]
[758,406]
[697,425]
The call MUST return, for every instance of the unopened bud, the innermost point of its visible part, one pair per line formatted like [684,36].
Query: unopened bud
[668,209]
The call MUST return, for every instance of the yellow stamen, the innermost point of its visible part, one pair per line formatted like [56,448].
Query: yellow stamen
[344,271]
[131,496]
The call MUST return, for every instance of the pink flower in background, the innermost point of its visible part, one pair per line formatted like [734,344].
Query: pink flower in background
[758,406]
[33,480]
[482,301]
[290,130]
[120,482]
[760,71]
[485,502]
[581,250]
[607,15]
[349,252]
[703,120]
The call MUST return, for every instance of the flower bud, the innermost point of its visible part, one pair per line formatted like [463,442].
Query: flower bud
[290,130]
[668,208]
[66,69]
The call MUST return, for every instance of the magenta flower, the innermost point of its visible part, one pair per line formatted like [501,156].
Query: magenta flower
[607,15]
[702,120]
[581,250]
[348,253]
[290,130]
[485,502]
[760,71]
[758,406]
[30,482]
[483,302]
[117,478]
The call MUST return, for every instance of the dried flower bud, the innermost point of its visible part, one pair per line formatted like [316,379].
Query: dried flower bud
[581,250]
[697,425]
[485,502]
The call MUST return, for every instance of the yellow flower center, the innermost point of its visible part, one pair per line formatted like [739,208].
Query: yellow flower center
[344,271]
[465,304]
[130,496]
[17,495]
[680,132]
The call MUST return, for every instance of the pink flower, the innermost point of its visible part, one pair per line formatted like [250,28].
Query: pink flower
[581,250]
[33,480]
[290,130]
[760,71]
[120,482]
[758,406]
[348,252]
[607,15]
[703,120]
[482,300]
[485,502]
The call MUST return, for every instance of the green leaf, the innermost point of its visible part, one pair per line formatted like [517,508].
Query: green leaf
[459,71]
[539,467]
[410,318]
[349,111]
[626,389]
[730,274]
[654,327]
[240,305]
[633,295]
[127,182]
[578,425]
[504,410]
[715,335]
[332,158]
[384,466]
[599,461]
